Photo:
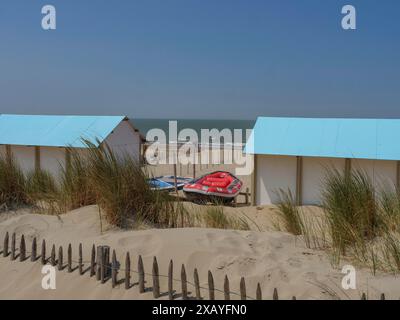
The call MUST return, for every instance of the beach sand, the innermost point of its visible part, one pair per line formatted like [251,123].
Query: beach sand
[274,259]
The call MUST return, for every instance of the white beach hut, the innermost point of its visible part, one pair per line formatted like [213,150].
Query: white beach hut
[37,141]
[294,153]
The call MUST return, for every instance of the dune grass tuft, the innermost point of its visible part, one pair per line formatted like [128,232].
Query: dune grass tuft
[289,212]
[12,183]
[360,223]
[119,185]
[42,192]
[40,185]
[297,223]
[215,217]
[74,189]
[351,206]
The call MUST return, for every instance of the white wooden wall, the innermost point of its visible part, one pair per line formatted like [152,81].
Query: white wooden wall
[275,172]
[52,159]
[314,172]
[125,141]
[383,173]
[25,157]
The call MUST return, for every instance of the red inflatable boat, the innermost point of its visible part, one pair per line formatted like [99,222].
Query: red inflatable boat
[216,186]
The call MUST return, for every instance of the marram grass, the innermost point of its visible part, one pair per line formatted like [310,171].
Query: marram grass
[12,183]
[361,222]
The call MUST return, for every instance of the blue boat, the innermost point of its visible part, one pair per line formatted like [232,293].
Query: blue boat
[167,183]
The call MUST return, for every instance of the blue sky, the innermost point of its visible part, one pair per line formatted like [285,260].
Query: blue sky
[225,59]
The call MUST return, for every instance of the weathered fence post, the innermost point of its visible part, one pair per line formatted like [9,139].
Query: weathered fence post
[80,260]
[60,258]
[258,292]
[53,256]
[363,296]
[171,280]
[22,249]
[99,262]
[13,246]
[93,262]
[211,291]
[5,245]
[141,275]
[106,263]
[197,284]
[69,258]
[34,250]
[247,196]
[275,295]
[243,295]
[127,271]
[226,289]
[114,270]
[184,283]
[156,280]
[43,253]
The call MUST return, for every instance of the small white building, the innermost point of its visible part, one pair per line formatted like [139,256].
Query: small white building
[295,153]
[37,141]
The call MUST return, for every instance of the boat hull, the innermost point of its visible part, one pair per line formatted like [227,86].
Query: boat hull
[219,186]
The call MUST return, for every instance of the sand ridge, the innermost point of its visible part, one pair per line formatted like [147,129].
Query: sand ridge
[274,259]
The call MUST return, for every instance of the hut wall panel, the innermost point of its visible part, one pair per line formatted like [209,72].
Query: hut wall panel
[382,172]
[314,172]
[279,172]
[274,173]
[51,159]
[25,157]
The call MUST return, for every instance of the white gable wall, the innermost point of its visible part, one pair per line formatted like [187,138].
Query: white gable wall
[124,140]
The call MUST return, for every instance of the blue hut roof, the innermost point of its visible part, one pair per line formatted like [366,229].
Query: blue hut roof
[321,137]
[55,131]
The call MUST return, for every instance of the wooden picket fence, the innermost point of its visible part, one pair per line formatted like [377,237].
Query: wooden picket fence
[103,269]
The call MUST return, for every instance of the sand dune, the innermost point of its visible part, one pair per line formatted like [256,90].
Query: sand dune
[274,259]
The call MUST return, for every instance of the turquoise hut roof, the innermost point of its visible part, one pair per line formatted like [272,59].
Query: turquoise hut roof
[55,131]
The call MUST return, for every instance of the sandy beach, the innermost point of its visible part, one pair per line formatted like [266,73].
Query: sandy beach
[274,259]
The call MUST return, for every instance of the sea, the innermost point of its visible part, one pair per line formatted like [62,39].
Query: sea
[145,125]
